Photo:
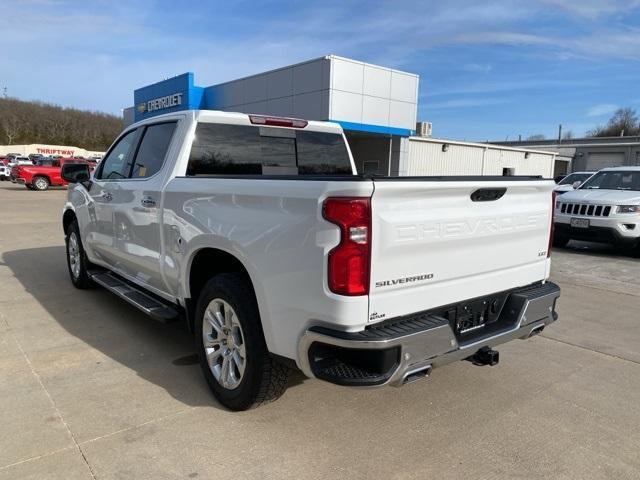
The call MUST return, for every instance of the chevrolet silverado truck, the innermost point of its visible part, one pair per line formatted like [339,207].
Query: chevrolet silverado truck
[44,173]
[605,208]
[259,233]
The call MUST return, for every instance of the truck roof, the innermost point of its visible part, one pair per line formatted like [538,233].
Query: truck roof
[237,118]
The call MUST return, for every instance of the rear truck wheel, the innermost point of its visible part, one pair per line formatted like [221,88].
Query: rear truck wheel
[560,241]
[76,258]
[40,183]
[230,342]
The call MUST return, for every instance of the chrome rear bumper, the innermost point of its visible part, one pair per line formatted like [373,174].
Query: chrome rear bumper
[426,341]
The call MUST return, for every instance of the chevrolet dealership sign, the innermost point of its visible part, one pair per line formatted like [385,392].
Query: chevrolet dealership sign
[160,103]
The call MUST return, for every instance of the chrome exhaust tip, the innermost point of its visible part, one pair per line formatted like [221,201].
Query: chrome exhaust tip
[416,374]
[536,331]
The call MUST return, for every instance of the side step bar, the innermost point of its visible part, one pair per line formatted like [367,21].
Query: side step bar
[152,306]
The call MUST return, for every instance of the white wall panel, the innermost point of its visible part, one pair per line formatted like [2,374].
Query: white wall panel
[347,75]
[404,87]
[346,106]
[375,110]
[376,82]
[402,114]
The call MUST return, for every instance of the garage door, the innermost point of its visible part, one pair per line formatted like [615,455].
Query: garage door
[596,161]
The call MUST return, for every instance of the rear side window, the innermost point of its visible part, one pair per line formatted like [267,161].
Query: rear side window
[153,149]
[320,153]
[220,149]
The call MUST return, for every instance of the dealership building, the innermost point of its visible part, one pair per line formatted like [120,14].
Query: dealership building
[376,106]
[589,154]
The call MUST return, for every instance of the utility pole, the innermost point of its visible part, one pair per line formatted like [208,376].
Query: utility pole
[4,92]
[560,133]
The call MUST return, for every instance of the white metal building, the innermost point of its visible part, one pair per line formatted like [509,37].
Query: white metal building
[433,156]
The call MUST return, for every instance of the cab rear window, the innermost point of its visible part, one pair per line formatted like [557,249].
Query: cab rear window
[220,149]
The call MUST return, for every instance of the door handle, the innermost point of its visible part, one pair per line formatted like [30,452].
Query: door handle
[148,202]
[107,197]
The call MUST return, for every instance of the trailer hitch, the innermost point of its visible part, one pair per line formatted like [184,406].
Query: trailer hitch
[485,356]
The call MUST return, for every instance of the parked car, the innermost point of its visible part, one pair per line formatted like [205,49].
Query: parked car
[19,160]
[15,162]
[605,208]
[572,181]
[44,174]
[260,233]
[5,172]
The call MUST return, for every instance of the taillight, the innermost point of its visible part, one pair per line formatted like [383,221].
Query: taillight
[553,215]
[348,272]
[277,121]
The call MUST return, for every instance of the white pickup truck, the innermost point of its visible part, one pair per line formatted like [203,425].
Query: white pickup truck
[259,233]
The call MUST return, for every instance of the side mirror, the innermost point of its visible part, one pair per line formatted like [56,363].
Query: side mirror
[576,184]
[75,172]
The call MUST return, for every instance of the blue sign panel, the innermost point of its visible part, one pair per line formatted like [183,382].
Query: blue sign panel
[171,95]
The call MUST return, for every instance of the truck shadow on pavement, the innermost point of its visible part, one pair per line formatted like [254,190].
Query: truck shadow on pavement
[600,250]
[161,354]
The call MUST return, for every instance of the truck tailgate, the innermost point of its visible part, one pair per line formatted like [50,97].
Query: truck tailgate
[432,245]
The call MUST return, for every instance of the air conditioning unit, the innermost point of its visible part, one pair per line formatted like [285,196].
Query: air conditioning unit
[423,129]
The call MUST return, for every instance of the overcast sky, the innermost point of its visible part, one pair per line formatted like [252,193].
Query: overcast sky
[488,70]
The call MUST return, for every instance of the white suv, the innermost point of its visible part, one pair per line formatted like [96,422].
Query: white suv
[606,208]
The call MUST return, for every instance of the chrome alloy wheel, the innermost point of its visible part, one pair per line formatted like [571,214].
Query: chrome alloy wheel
[40,183]
[74,254]
[223,342]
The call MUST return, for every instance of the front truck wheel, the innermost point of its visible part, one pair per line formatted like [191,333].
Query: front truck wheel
[233,354]
[76,258]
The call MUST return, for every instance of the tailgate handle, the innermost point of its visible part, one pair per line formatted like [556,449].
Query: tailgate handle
[487,194]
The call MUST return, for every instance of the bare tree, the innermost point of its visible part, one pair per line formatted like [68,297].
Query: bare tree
[10,127]
[623,122]
[38,122]
[537,136]
[568,135]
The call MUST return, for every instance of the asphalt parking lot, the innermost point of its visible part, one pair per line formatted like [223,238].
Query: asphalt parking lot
[91,388]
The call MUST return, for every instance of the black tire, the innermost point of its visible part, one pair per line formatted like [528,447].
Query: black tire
[80,278]
[40,183]
[560,241]
[29,187]
[264,378]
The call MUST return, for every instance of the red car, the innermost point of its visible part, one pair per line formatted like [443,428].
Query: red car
[44,174]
